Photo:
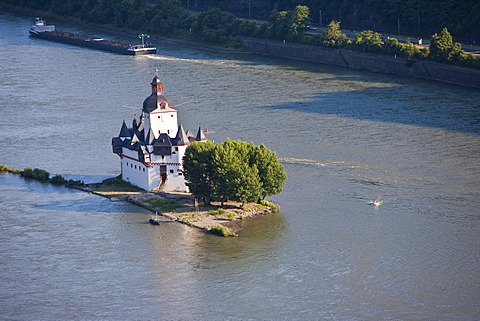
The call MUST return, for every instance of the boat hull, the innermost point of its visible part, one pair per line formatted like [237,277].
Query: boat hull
[88,42]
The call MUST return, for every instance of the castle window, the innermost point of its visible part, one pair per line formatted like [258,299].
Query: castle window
[135,166]
[180,174]
[144,169]
[176,149]
[171,171]
[131,165]
[171,115]
[168,131]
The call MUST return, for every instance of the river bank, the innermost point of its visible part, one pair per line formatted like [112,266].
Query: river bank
[224,220]
[358,60]
[182,207]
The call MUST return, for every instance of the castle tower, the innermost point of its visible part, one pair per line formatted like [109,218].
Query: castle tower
[151,151]
[160,115]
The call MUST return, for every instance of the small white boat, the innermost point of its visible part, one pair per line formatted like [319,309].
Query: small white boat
[154,220]
[376,203]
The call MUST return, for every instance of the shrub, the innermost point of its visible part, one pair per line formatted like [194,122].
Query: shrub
[57,180]
[274,207]
[219,211]
[231,216]
[74,183]
[3,167]
[14,171]
[41,174]
[27,172]
[221,230]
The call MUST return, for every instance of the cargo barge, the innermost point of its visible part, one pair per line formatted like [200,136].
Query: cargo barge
[41,30]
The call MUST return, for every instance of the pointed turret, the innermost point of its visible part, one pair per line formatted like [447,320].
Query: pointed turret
[200,135]
[181,138]
[124,132]
[134,122]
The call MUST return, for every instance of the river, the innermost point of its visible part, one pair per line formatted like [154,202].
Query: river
[345,138]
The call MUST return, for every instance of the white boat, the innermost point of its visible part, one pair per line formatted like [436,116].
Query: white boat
[154,220]
[376,203]
[40,26]
[143,49]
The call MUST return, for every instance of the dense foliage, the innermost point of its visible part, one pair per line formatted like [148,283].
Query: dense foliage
[414,17]
[233,170]
[168,18]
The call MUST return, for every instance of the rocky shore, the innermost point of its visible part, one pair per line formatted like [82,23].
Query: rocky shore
[224,220]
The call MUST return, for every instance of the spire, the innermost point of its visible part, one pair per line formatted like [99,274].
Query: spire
[124,132]
[134,122]
[181,138]
[200,135]
[157,85]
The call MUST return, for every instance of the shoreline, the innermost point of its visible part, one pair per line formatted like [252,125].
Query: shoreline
[181,207]
[355,60]
[175,207]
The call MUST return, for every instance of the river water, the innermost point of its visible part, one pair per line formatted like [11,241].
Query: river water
[345,138]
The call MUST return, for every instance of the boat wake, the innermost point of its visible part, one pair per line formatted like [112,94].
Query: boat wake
[210,62]
[322,163]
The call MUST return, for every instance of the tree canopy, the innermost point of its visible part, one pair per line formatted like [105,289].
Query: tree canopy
[233,170]
[333,36]
[288,21]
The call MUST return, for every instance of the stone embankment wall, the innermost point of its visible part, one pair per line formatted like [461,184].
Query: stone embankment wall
[366,61]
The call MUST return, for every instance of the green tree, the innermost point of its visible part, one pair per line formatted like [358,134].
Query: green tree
[230,160]
[456,54]
[278,25]
[271,172]
[441,45]
[392,46]
[215,26]
[410,52]
[299,19]
[332,35]
[233,170]
[368,40]
[169,17]
[198,170]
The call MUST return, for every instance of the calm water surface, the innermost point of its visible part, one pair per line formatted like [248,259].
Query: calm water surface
[344,137]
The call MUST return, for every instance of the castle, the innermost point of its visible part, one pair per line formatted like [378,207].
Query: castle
[151,151]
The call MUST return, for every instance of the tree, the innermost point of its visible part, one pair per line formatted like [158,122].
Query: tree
[169,17]
[368,40]
[216,26]
[441,45]
[278,25]
[230,161]
[456,53]
[233,170]
[299,19]
[271,172]
[333,36]
[198,170]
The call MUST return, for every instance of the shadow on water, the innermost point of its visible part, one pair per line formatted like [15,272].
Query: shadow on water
[416,105]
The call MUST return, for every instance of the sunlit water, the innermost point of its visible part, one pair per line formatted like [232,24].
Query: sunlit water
[344,137]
